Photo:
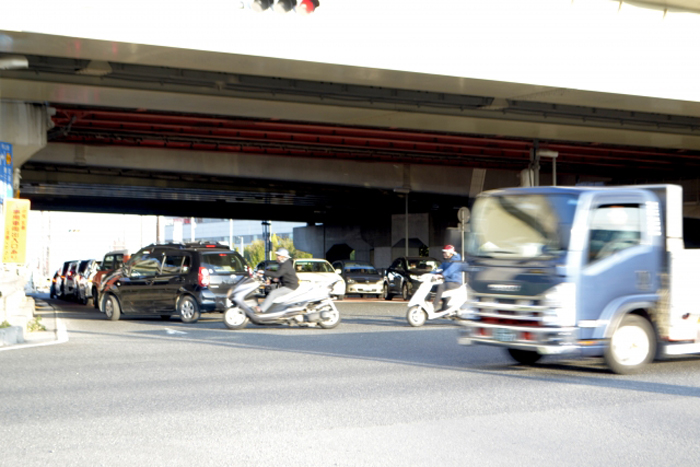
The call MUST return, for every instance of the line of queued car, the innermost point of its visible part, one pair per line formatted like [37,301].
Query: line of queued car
[194,278]
[79,280]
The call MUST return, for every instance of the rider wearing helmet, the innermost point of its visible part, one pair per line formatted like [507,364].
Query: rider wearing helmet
[285,274]
[451,270]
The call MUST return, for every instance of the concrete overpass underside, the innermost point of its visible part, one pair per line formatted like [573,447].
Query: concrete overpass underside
[145,129]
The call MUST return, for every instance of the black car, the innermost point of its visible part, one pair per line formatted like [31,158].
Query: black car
[402,277]
[173,279]
[360,277]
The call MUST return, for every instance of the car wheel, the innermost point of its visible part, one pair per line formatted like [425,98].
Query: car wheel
[632,345]
[526,357]
[188,309]
[385,292]
[404,292]
[235,318]
[416,316]
[111,307]
[95,298]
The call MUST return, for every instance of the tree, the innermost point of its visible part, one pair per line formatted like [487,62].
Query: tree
[255,252]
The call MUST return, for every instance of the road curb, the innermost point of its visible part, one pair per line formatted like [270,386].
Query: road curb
[56,332]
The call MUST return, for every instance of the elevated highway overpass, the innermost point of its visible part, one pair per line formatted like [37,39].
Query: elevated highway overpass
[193,127]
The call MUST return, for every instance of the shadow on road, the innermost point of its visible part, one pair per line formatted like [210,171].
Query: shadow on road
[429,347]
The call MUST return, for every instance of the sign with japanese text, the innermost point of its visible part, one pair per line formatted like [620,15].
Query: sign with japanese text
[16,215]
[6,175]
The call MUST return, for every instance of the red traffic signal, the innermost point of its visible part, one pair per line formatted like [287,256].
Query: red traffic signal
[306,7]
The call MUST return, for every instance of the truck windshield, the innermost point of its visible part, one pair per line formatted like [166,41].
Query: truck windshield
[521,226]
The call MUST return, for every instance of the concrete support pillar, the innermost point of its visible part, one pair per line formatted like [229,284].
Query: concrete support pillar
[24,126]
[418,229]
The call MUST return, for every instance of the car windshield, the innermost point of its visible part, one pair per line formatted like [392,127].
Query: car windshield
[223,263]
[83,266]
[521,226]
[423,264]
[359,268]
[313,266]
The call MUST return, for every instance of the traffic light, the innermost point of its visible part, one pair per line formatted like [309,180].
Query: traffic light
[306,7]
[303,7]
[260,5]
[284,6]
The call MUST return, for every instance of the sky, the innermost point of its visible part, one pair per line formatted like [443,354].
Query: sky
[596,45]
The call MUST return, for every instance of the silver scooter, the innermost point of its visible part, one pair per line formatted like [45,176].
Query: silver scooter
[420,309]
[309,305]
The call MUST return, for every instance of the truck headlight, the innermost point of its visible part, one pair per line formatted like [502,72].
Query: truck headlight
[560,305]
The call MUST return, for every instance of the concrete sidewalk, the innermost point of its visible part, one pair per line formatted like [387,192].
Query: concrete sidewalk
[55,333]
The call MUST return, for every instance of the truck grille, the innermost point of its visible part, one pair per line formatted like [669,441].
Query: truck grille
[507,310]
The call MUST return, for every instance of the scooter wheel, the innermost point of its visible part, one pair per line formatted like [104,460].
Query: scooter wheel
[235,318]
[332,318]
[416,316]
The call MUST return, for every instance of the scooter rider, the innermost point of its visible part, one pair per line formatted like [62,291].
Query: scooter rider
[285,274]
[451,271]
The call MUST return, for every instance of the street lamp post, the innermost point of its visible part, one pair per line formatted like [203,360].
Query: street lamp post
[405,192]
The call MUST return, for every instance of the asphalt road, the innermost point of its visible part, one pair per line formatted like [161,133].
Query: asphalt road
[372,392]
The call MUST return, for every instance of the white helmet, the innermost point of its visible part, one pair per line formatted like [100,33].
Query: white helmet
[282,252]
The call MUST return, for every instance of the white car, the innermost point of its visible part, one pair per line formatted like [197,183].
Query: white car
[320,270]
[360,277]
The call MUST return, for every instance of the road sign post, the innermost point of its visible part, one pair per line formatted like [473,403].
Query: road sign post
[463,216]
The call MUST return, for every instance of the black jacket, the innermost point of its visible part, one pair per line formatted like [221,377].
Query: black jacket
[286,274]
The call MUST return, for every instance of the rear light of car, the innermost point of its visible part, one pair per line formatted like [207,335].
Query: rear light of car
[203,277]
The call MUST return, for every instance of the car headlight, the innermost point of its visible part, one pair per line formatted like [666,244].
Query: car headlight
[414,277]
[560,305]
[351,281]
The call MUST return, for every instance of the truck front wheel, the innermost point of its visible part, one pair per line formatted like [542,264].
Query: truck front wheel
[526,357]
[632,345]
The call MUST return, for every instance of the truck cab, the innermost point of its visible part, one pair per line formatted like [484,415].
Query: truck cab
[591,271]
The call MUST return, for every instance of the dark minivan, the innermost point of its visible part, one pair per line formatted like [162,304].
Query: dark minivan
[173,279]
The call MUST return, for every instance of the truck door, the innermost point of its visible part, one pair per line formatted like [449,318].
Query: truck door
[619,258]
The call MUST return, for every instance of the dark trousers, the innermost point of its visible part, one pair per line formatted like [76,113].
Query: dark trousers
[437,306]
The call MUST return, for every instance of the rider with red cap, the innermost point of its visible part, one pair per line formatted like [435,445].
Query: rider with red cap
[451,271]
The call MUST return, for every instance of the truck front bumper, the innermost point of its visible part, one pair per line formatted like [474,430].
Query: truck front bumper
[543,340]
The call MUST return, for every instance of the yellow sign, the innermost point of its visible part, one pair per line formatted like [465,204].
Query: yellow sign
[16,214]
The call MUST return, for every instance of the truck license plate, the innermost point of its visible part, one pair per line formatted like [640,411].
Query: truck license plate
[504,335]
